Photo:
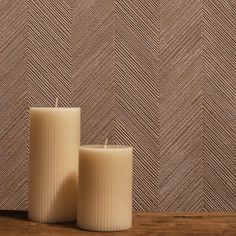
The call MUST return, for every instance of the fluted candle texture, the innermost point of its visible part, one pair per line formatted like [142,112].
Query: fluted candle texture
[105,188]
[54,145]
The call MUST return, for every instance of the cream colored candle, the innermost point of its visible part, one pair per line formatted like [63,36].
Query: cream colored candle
[105,188]
[54,143]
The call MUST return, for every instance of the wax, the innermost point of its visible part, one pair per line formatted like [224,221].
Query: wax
[105,188]
[53,180]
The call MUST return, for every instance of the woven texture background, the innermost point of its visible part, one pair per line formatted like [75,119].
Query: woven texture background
[158,75]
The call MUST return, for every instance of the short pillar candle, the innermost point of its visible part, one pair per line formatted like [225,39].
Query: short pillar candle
[105,187]
[54,145]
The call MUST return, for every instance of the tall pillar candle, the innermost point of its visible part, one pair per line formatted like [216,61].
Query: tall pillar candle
[105,188]
[54,145]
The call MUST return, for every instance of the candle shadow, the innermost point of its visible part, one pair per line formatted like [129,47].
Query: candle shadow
[21,215]
[64,204]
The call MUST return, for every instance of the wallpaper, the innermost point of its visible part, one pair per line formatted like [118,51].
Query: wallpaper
[158,75]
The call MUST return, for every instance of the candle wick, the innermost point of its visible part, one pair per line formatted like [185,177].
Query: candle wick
[106,141]
[56,104]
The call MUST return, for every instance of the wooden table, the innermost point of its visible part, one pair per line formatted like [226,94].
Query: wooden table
[168,224]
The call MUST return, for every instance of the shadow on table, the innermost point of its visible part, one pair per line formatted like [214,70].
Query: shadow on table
[21,215]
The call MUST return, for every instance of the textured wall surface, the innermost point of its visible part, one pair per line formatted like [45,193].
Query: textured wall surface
[158,75]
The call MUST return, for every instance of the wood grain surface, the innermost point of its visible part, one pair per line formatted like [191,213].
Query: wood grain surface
[145,223]
[158,75]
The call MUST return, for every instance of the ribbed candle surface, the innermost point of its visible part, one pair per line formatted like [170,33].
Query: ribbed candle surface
[54,143]
[105,188]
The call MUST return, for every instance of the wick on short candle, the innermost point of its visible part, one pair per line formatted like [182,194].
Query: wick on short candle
[106,141]
[56,104]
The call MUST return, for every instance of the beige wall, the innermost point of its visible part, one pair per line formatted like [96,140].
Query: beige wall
[158,75]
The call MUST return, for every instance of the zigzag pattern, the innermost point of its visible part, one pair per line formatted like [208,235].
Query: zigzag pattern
[93,69]
[219,150]
[49,52]
[13,104]
[180,106]
[137,94]
[157,75]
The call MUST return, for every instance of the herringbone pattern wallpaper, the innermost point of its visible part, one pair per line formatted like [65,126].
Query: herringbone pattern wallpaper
[159,75]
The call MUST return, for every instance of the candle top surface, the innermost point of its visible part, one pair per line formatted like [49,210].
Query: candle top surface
[103,147]
[45,108]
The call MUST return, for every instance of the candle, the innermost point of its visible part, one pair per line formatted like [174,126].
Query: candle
[54,144]
[105,187]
